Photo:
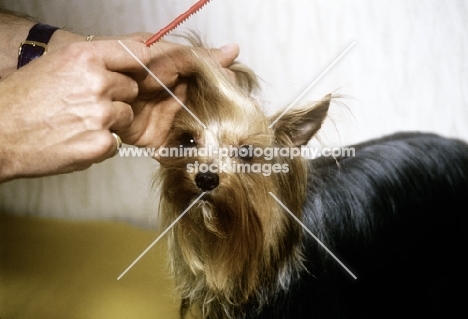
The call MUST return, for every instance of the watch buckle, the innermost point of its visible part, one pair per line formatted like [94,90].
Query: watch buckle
[33,43]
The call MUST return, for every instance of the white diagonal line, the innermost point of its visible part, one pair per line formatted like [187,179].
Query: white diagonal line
[162,234]
[315,237]
[162,84]
[312,84]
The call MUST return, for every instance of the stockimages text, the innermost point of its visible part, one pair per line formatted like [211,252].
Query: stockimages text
[237,159]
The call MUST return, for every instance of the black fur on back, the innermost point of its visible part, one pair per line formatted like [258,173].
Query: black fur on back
[396,215]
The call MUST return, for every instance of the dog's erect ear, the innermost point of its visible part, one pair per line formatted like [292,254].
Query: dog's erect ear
[301,124]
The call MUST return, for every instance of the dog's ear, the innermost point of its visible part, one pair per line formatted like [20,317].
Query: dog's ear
[299,125]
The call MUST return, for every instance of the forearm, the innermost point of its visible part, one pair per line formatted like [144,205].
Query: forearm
[14,29]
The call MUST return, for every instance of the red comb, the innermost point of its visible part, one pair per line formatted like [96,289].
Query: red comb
[175,23]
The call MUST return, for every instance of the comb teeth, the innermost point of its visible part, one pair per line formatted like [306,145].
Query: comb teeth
[176,22]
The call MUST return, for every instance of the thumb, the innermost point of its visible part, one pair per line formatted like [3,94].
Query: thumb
[227,54]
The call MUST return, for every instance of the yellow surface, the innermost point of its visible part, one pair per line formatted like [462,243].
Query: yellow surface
[61,269]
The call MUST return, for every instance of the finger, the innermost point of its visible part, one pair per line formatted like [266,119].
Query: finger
[227,54]
[118,143]
[185,62]
[91,147]
[110,143]
[120,118]
[170,107]
[123,56]
[153,120]
[121,87]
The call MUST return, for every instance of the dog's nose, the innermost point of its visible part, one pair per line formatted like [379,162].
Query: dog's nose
[207,181]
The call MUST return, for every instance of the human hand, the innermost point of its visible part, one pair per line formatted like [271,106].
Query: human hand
[154,109]
[57,113]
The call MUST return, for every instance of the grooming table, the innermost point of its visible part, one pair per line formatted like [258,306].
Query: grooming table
[67,269]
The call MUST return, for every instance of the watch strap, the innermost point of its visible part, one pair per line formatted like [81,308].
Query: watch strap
[35,44]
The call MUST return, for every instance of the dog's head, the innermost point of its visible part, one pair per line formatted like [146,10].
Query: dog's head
[236,235]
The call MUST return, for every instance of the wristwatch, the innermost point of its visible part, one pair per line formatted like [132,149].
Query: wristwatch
[35,44]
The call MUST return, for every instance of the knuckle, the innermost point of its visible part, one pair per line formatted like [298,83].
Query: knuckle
[102,143]
[97,83]
[80,53]
[89,64]
[100,83]
[142,52]
[104,113]
[99,115]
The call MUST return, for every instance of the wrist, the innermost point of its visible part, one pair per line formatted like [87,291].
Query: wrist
[43,38]
[62,38]
[14,31]
[36,44]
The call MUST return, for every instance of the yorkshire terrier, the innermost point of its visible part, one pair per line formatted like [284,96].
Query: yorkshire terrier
[395,213]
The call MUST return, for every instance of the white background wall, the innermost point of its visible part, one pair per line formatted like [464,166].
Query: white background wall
[407,71]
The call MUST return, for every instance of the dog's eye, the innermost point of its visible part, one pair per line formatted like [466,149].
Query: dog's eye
[245,152]
[187,140]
